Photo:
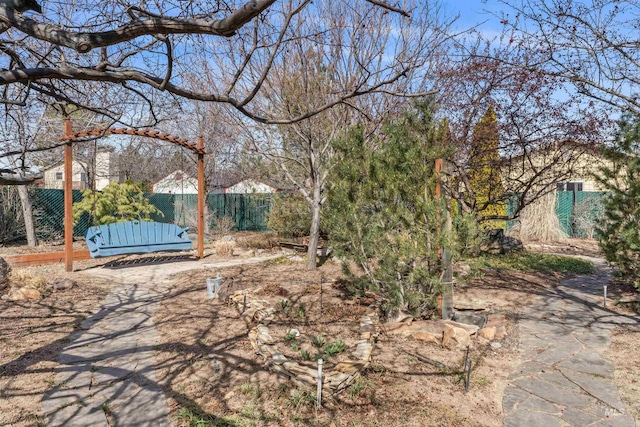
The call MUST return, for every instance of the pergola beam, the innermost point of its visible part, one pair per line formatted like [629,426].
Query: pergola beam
[70,136]
[68,198]
[200,199]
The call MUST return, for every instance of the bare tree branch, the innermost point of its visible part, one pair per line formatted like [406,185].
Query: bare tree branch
[84,42]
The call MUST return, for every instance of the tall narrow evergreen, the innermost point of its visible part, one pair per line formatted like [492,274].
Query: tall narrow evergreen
[484,170]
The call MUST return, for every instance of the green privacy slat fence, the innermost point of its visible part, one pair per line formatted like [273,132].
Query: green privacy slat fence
[48,208]
[578,214]
[564,211]
[249,212]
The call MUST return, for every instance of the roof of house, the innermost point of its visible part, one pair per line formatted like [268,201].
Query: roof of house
[174,176]
[60,162]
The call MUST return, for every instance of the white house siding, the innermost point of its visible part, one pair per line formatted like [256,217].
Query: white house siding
[54,177]
[250,186]
[107,169]
[172,185]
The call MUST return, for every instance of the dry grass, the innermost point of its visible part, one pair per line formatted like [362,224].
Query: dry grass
[397,390]
[538,222]
[263,240]
[224,248]
[27,277]
[623,354]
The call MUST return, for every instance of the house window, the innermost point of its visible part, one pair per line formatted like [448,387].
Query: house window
[58,176]
[83,177]
[570,186]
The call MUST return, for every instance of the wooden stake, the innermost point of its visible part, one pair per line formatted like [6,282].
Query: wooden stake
[68,197]
[200,199]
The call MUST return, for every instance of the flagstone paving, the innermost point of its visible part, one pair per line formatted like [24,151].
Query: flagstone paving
[107,375]
[563,378]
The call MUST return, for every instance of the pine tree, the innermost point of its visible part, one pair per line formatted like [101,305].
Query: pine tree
[618,230]
[382,212]
[484,171]
[116,203]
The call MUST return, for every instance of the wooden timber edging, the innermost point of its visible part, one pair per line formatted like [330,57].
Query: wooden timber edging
[44,258]
[295,246]
[321,250]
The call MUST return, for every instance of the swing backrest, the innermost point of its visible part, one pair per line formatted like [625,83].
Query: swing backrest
[136,237]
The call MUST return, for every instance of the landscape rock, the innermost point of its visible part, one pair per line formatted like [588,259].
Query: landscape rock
[470,319]
[363,351]
[348,367]
[501,332]
[497,243]
[253,338]
[263,336]
[428,330]
[498,321]
[455,337]
[227,238]
[337,378]
[427,337]
[24,293]
[399,316]
[629,299]
[300,371]
[470,328]
[487,333]
[62,285]
[396,326]
[495,344]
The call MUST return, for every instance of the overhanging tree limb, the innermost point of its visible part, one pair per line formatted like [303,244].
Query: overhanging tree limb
[84,42]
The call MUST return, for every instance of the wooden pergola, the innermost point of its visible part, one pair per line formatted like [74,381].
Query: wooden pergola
[70,137]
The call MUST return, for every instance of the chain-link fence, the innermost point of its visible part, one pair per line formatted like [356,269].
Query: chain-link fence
[577,212]
[238,212]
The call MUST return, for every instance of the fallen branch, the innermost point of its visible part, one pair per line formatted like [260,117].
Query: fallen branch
[425,360]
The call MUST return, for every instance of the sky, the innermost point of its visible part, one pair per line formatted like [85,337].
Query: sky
[480,13]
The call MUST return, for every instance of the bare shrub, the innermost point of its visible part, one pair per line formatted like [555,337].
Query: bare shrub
[263,240]
[11,219]
[224,224]
[224,248]
[538,221]
[586,214]
[187,215]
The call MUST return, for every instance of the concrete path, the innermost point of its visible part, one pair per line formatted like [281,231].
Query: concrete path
[107,375]
[563,378]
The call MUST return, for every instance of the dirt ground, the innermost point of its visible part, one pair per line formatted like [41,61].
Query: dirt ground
[211,375]
[210,371]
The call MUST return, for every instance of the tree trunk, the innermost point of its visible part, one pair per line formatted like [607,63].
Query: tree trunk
[314,233]
[29,225]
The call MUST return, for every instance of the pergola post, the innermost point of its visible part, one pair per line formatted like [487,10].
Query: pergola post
[200,199]
[68,197]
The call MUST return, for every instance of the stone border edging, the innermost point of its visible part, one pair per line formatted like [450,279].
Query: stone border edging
[257,315]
